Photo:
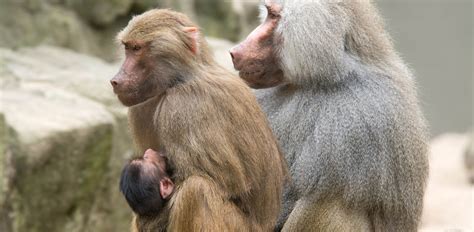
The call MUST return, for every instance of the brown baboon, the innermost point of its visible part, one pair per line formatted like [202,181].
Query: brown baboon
[344,108]
[227,167]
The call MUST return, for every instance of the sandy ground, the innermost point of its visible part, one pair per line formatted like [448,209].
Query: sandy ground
[449,198]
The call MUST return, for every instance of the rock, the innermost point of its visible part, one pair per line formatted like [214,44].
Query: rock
[221,50]
[248,15]
[100,13]
[226,19]
[52,24]
[85,75]
[143,5]
[89,26]
[6,172]
[218,18]
[66,145]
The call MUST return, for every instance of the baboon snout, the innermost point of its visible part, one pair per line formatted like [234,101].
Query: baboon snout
[116,81]
[236,54]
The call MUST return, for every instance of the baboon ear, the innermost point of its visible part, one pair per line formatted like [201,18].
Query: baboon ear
[193,33]
[166,187]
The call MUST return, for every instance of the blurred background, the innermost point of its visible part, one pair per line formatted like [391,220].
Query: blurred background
[64,137]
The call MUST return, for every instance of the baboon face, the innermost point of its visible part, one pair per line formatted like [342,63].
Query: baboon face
[135,82]
[160,49]
[255,58]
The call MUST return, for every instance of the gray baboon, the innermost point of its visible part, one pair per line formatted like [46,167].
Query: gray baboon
[228,171]
[344,108]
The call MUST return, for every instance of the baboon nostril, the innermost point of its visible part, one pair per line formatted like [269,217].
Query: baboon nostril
[114,83]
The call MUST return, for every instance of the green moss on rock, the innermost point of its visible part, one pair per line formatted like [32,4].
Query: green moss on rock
[50,193]
[218,19]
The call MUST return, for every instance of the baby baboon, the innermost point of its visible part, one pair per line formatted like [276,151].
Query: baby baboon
[228,170]
[146,184]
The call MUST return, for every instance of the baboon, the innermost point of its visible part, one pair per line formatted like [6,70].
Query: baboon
[146,183]
[227,166]
[344,107]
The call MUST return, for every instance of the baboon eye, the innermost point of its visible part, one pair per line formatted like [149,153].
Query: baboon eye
[126,45]
[136,48]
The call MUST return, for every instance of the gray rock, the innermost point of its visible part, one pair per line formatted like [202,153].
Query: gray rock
[6,172]
[66,143]
[85,75]
[100,13]
[221,50]
[51,24]
[89,26]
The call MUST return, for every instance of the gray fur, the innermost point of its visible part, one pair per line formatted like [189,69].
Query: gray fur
[348,121]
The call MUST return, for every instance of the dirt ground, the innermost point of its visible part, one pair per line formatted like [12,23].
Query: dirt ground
[449,198]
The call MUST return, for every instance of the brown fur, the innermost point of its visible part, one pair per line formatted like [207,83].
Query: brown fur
[229,171]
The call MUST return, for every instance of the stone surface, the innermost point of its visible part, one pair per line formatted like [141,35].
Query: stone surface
[221,50]
[217,18]
[28,23]
[67,144]
[100,13]
[89,26]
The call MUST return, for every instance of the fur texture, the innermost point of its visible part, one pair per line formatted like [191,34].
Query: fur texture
[348,120]
[228,168]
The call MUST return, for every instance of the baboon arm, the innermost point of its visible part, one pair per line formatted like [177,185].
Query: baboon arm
[199,205]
